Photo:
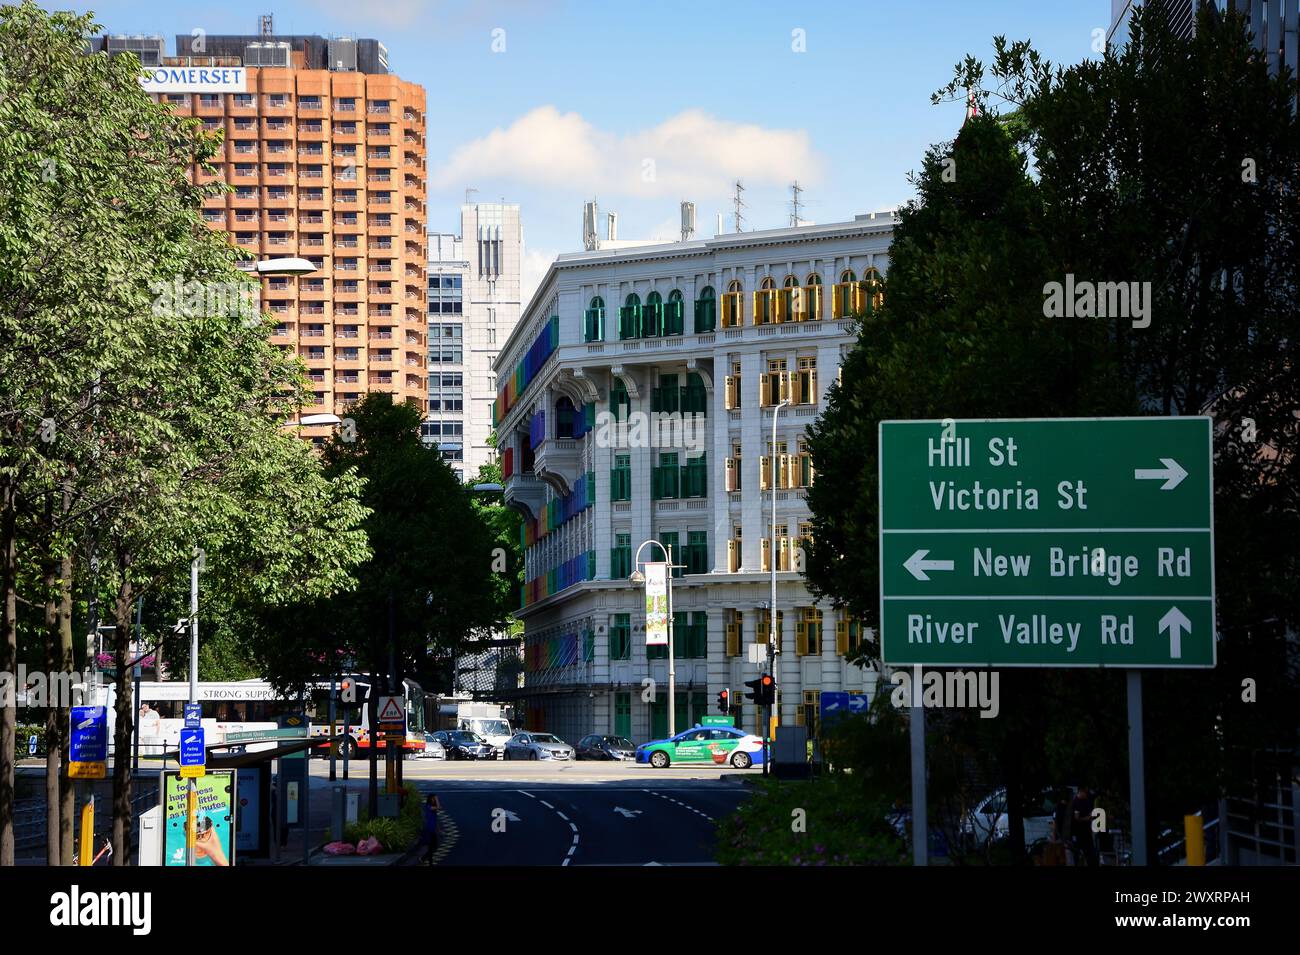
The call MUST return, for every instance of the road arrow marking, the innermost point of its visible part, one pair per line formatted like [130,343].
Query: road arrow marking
[1172,474]
[917,565]
[1175,621]
[510,815]
[628,813]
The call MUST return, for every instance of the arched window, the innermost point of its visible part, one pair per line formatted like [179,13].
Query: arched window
[814,297]
[766,303]
[791,308]
[674,314]
[846,295]
[564,417]
[652,316]
[732,309]
[706,310]
[593,324]
[629,317]
[619,402]
[873,291]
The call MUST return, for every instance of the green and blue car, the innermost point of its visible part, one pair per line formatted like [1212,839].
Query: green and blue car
[718,745]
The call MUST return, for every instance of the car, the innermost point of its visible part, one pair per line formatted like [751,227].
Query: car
[718,745]
[597,746]
[462,744]
[433,747]
[528,745]
[988,822]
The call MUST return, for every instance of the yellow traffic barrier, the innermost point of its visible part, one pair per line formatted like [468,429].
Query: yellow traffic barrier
[191,819]
[1194,828]
[86,854]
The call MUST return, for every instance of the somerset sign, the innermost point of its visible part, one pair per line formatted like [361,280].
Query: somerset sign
[194,79]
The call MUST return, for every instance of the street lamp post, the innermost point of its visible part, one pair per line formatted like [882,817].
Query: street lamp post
[771,614]
[639,578]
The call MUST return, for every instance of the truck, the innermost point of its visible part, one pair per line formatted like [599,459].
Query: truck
[488,720]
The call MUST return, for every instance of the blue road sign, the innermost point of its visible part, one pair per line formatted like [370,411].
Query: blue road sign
[89,743]
[834,703]
[858,703]
[31,745]
[192,747]
[193,715]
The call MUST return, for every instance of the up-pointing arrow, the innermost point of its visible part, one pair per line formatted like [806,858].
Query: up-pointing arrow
[917,565]
[1172,474]
[1175,621]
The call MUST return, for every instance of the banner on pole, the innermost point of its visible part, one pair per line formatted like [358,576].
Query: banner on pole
[656,605]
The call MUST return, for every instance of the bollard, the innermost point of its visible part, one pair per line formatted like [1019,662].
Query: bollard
[87,833]
[1194,827]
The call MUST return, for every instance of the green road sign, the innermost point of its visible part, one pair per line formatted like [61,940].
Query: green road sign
[1047,542]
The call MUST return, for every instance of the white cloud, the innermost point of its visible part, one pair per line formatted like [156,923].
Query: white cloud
[687,155]
[532,270]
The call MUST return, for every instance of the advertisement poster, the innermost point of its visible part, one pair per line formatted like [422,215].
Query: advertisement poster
[215,829]
[248,818]
[656,605]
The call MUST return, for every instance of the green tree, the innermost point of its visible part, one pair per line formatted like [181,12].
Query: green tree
[1140,173]
[136,424]
[429,583]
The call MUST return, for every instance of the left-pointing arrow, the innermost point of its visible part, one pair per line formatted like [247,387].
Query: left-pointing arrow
[1175,621]
[917,565]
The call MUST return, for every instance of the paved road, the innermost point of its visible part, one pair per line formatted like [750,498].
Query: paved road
[580,813]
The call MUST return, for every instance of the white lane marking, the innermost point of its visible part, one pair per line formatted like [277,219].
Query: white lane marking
[568,856]
[702,815]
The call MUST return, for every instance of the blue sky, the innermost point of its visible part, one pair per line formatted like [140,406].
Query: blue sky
[642,104]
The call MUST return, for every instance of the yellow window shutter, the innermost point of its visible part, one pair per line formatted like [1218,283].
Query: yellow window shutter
[733,640]
[801,638]
[841,636]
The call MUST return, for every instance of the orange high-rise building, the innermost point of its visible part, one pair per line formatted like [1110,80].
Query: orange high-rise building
[327,162]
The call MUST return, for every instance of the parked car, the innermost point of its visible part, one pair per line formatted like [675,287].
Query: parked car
[720,745]
[462,744]
[434,748]
[596,746]
[988,820]
[538,746]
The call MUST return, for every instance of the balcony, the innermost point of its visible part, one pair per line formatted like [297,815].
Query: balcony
[559,463]
[525,492]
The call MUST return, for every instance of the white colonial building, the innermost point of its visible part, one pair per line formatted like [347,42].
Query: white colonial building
[715,333]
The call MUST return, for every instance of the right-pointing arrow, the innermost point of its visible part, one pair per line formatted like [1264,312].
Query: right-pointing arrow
[1176,622]
[917,565]
[1172,474]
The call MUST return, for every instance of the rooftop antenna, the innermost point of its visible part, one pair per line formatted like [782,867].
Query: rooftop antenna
[739,204]
[795,190]
[264,25]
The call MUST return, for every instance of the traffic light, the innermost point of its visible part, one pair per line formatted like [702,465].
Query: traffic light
[724,701]
[763,690]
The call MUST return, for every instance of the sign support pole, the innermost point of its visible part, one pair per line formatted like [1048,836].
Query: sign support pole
[920,823]
[1137,795]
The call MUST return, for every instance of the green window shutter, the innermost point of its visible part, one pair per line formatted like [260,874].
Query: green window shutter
[669,540]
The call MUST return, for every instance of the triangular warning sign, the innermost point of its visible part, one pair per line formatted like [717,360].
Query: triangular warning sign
[391,710]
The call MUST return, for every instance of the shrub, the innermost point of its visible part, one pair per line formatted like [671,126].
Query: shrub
[840,824]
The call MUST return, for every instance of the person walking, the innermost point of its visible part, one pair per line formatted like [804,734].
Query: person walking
[1081,828]
[429,837]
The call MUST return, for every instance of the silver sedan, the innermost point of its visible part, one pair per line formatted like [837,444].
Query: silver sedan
[537,746]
